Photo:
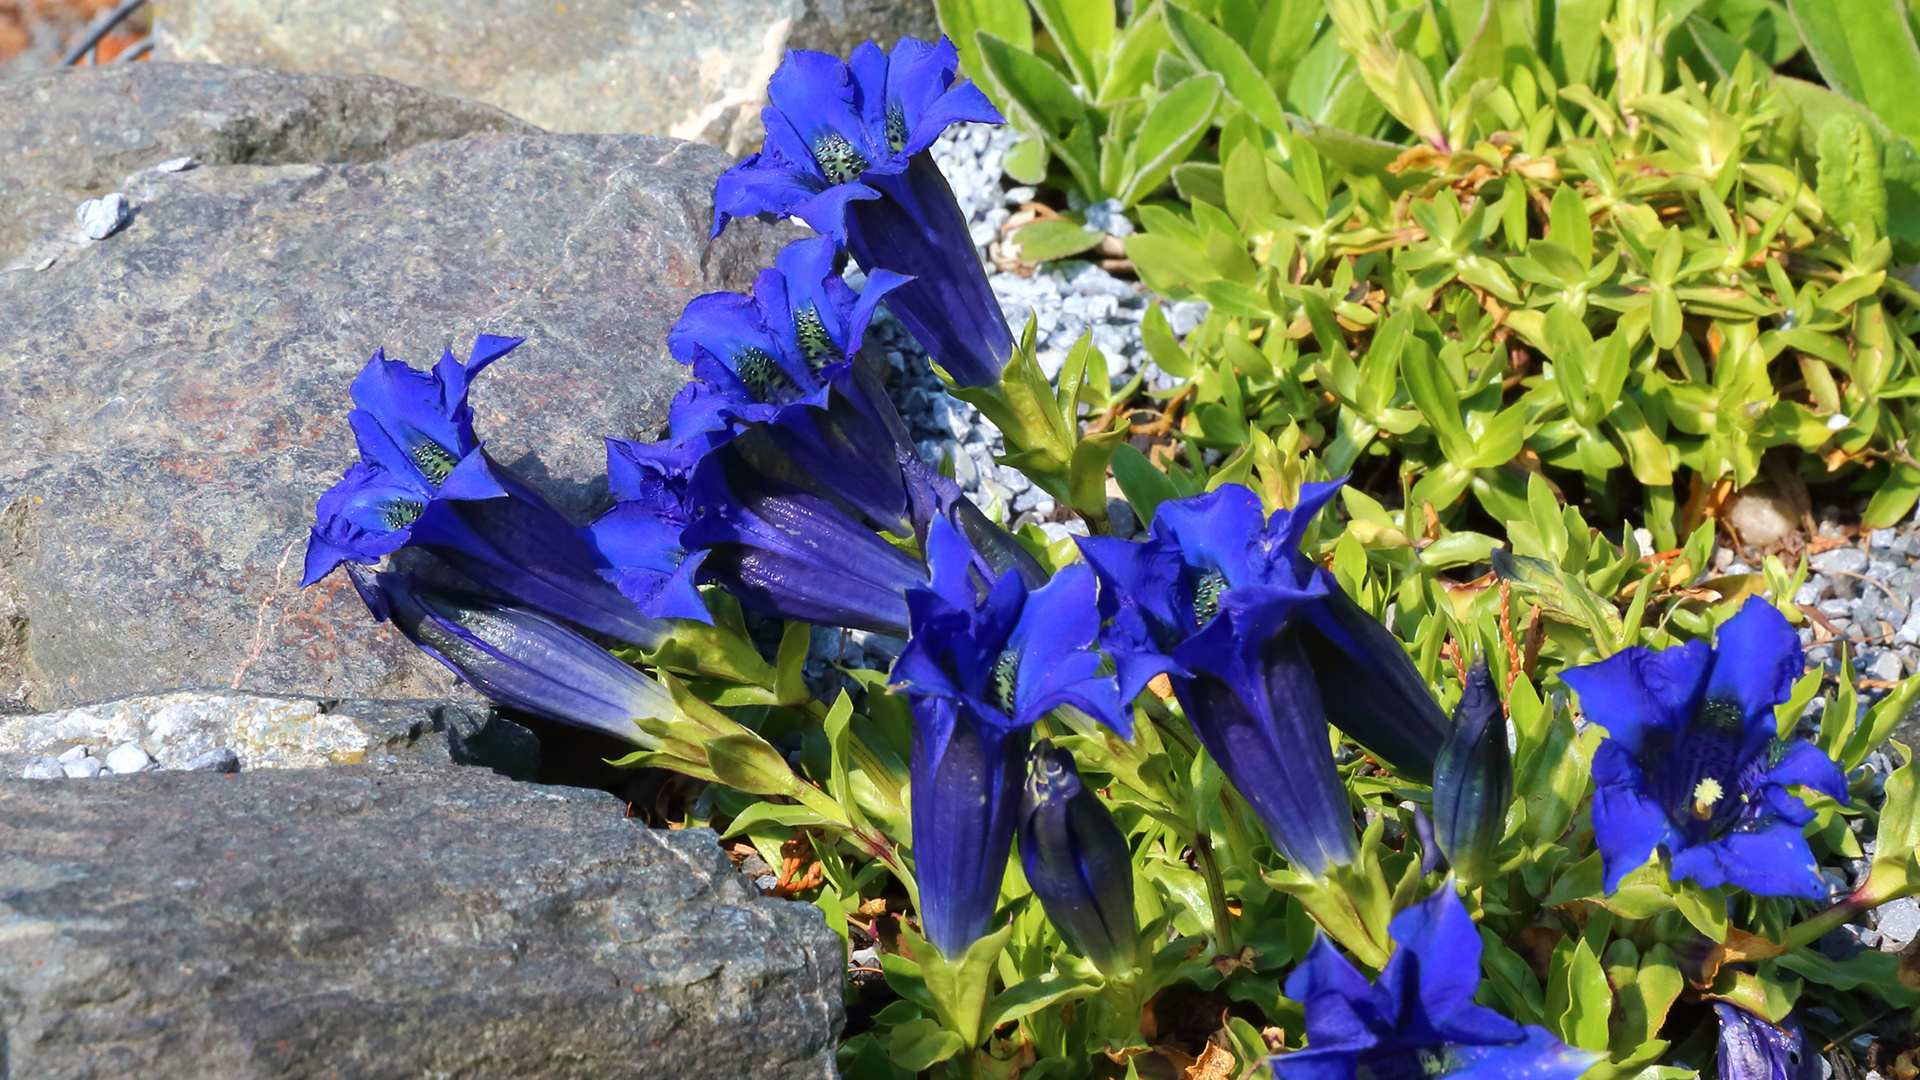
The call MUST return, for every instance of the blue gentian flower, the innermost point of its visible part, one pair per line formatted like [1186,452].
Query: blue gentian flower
[1216,598]
[1753,1049]
[1473,779]
[1419,1019]
[414,429]
[787,552]
[1691,762]
[846,151]
[987,658]
[424,481]
[517,656]
[778,364]
[636,545]
[1077,861]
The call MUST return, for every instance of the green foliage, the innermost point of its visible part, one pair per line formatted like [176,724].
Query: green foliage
[1627,293]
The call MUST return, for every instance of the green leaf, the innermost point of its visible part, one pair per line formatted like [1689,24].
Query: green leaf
[789,664]
[1083,32]
[766,813]
[1005,19]
[1850,185]
[920,1044]
[1706,909]
[1896,867]
[1212,49]
[1030,996]
[1579,1001]
[1172,128]
[1044,241]
[1866,50]
[1049,104]
[1144,486]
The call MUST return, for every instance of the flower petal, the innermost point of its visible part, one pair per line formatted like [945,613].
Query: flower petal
[1539,1057]
[965,805]
[1772,859]
[1439,951]
[1637,689]
[1628,825]
[1804,764]
[1763,658]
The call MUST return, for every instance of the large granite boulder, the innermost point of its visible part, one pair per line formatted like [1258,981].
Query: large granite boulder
[667,67]
[367,924]
[174,397]
[73,134]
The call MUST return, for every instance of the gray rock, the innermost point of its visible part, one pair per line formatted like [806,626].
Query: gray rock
[1846,560]
[102,217]
[663,67]
[127,758]
[74,133]
[43,768]
[160,477]
[414,922]
[179,729]
[85,768]
[224,760]
[1899,923]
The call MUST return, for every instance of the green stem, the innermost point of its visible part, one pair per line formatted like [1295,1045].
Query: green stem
[1223,938]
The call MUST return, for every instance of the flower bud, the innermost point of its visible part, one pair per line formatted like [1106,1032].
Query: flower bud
[1077,861]
[1473,779]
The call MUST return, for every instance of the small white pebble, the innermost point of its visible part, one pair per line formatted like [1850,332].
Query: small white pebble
[1837,421]
[127,758]
[179,164]
[71,754]
[84,769]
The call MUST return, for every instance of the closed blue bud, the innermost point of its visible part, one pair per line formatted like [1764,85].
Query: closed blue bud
[1753,1049]
[1077,861]
[1473,779]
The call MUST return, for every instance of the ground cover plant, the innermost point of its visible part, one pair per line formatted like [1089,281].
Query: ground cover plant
[1322,772]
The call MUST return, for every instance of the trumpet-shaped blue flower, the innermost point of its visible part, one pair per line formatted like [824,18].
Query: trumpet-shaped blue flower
[1753,1049]
[424,481]
[784,551]
[414,429]
[846,151]
[636,545]
[1691,762]
[1216,598]
[1419,1019]
[987,658]
[1077,861]
[517,656]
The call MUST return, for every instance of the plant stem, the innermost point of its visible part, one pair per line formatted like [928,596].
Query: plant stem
[1223,939]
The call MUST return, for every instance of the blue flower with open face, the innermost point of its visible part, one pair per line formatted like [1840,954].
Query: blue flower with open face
[1216,598]
[1418,1020]
[989,655]
[425,481]
[414,429]
[1692,764]
[847,152]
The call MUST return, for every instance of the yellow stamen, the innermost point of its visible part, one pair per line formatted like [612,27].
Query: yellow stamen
[1705,794]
